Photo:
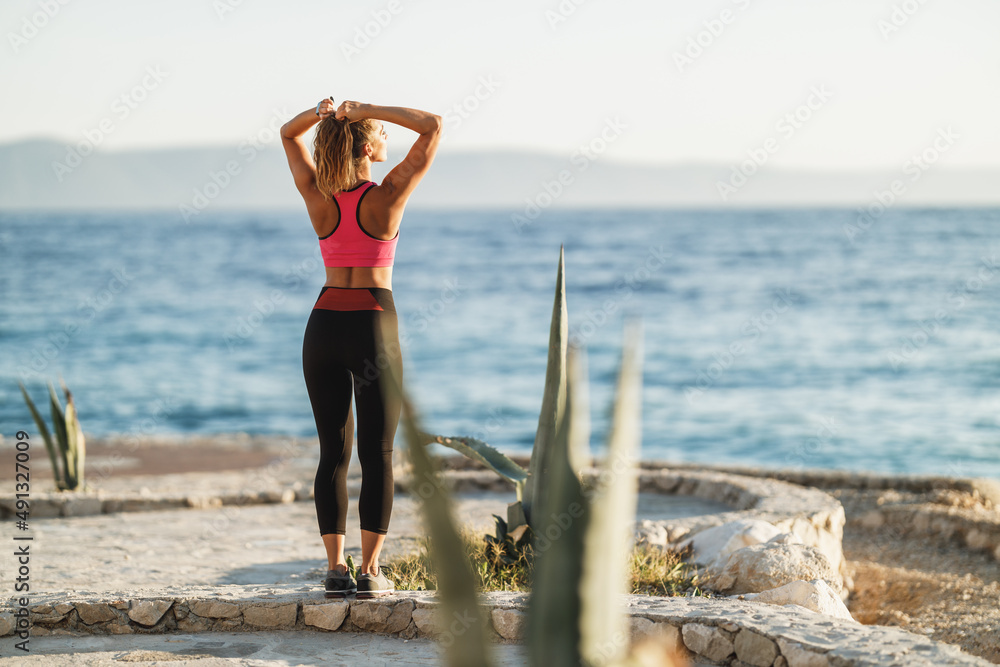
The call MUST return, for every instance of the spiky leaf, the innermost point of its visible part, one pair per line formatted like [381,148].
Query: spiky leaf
[59,426]
[43,430]
[604,625]
[553,632]
[456,580]
[553,397]
[486,454]
[579,453]
[76,444]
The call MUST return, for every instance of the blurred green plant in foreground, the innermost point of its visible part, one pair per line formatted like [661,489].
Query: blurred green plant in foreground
[69,447]
[581,538]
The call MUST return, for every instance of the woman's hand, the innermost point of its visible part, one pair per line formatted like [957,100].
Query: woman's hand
[352,111]
[325,108]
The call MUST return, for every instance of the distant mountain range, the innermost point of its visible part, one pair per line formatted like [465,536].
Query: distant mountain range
[45,174]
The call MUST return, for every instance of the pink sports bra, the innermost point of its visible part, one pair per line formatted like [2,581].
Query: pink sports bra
[349,244]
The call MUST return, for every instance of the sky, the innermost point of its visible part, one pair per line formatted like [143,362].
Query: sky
[841,84]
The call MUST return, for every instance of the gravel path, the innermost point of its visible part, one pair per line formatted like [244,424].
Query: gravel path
[930,586]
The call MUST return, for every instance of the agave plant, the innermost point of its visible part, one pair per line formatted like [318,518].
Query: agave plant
[575,616]
[68,450]
[529,485]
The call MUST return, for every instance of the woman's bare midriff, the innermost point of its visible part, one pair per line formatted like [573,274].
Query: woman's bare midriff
[359,276]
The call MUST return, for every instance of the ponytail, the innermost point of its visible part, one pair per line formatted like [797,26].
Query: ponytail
[337,148]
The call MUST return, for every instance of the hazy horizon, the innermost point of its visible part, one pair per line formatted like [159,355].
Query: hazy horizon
[851,85]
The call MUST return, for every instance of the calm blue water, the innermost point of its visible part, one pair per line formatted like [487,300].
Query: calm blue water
[770,338]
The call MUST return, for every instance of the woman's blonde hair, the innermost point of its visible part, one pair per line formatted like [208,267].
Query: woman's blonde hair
[338,146]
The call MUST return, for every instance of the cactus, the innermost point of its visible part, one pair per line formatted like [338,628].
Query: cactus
[69,447]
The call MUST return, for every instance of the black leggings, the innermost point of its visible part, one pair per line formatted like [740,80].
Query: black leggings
[351,338]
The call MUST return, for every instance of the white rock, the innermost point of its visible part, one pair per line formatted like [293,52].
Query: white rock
[755,649]
[329,616]
[707,641]
[149,612]
[651,532]
[640,628]
[816,595]
[509,623]
[271,616]
[715,544]
[95,613]
[798,656]
[762,567]
[386,616]
[427,621]
[214,609]
[785,538]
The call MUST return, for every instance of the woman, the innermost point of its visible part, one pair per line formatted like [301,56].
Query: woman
[351,336]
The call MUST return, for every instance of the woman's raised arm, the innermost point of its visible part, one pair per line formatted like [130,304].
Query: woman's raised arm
[404,177]
[299,157]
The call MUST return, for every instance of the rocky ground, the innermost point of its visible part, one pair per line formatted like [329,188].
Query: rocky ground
[930,585]
[923,584]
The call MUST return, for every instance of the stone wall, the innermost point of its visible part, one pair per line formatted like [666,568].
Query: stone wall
[724,632]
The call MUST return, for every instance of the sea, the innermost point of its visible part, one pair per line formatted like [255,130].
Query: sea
[791,338]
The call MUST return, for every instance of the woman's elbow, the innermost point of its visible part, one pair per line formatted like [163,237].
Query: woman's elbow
[434,124]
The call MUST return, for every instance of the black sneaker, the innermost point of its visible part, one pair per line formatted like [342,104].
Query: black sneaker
[373,586]
[339,585]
